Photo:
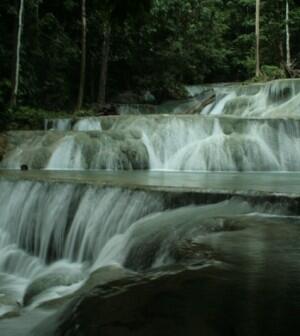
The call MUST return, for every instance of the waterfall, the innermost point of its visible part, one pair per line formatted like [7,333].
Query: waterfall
[169,143]
[59,240]
[276,99]
[251,127]
[52,234]
[66,124]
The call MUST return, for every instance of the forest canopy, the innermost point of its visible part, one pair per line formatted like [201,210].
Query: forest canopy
[137,46]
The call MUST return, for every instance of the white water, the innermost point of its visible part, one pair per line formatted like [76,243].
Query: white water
[51,235]
[67,155]
[58,124]
[212,144]
[83,124]
[268,141]
[54,235]
[88,124]
[277,99]
[168,143]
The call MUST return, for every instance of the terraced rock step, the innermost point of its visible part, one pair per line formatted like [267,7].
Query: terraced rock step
[277,185]
[163,142]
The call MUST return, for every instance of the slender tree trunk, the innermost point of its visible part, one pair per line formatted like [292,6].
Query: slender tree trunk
[257,34]
[288,49]
[37,25]
[104,65]
[83,56]
[17,49]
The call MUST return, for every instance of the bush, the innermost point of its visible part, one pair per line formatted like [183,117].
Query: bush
[271,72]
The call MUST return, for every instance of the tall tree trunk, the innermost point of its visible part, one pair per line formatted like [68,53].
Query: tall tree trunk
[257,34]
[83,56]
[104,65]
[288,49]
[16,58]
[37,26]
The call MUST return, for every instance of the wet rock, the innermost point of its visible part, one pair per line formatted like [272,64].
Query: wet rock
[99,277]
[142,255]
[15,312]
[3,145]
[162,304]
[44,282]
[137,154]
[189,250]
[106,275]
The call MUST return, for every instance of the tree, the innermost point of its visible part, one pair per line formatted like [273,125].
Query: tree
[83,56]
[288,49]
[257,34]
[114,13]
[17,49]
[104,60]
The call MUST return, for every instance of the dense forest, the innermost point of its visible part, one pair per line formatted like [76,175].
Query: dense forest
[68,54]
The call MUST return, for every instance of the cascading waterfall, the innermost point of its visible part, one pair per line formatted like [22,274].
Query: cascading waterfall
[76,150]
[53,234]
[167,143]
[252,127]
[57,238]
[277,99]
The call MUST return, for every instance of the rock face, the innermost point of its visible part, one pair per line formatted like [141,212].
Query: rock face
[211,300]
[254,290]
[147,305]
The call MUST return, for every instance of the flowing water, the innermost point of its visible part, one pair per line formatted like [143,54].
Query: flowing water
[164,143]
[59,231]
[56,236]
[248,128]
[277,99]
[52,234]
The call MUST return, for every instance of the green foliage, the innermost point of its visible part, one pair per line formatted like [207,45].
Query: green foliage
[157,45]
[24,117]
[271,72]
